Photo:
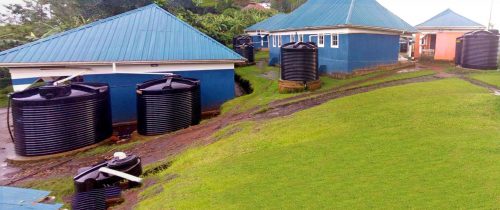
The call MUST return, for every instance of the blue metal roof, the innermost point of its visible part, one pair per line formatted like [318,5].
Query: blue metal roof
[449,19]
[145,34]
[343,13]
[13,198]
[266,24]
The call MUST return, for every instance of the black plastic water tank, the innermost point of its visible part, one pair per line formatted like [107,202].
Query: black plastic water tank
[241,39]
[458,50]
[246,51]
[480,50]
[299,61]
[53,119]
[167,105]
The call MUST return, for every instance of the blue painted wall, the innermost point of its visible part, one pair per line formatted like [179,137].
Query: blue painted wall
[257,41]
[217,87]
[355,51]
[366,50]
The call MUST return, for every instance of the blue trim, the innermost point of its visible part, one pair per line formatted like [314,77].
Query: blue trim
[24,81]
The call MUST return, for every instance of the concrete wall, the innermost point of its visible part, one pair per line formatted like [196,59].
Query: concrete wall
[445,45]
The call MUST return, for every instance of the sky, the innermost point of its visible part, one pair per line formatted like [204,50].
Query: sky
[418,11]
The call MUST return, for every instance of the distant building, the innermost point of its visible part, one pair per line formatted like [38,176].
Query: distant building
[266,5]
[437,38]
[253,5]
[350,34]
[260,31]
[124,50]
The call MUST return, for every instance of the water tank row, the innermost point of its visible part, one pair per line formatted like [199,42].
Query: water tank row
[478,50]
[243,45]
[53,119]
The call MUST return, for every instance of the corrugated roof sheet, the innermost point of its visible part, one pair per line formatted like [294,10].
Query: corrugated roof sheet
[266,24]
[335,13]
[145,34]
[449,18]
[24,199]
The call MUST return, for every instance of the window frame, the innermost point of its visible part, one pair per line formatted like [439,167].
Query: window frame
[300,37]
[292,38]
[320,44]
[274,40]
[337,40]
[280,40]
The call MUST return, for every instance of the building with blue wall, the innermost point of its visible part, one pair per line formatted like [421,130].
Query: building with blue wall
[350,34]
[125,50]
[260,31]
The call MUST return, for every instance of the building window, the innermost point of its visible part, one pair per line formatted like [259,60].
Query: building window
[300,37]
[335,41]
[321,40]
[292,38]
[280,40]
[274,40]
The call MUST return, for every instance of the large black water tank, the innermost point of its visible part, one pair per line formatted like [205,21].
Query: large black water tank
[299,61]
[53,119]
[167,105]
[241,39]
[246,51]
[480,50]
[458,50]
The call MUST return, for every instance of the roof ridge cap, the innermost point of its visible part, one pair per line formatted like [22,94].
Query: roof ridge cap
[73,30]
[349,15]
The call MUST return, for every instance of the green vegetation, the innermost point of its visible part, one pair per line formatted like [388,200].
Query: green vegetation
[61,187]
[490,77]
[4,96]
[428,145]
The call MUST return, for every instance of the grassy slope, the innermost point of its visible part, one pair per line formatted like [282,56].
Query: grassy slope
[266,87]
[490,77]
[417,146]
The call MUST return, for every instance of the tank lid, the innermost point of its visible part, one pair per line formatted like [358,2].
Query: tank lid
[169,82]
[480,33]
[300,45]
[50,92]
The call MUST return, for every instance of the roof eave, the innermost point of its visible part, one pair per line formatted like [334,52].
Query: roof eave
[93,63]
[450,27]
[346,26]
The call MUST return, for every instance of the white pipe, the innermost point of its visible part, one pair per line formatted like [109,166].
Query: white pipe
[68,78]
[120,174]
[114,67]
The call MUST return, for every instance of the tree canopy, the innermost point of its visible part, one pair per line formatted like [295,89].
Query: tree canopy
[220,19]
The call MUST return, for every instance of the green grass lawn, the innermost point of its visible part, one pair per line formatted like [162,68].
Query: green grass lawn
[490,77]
[430,145]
